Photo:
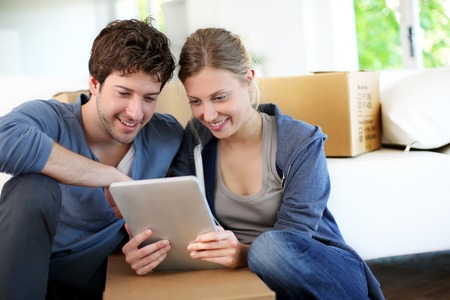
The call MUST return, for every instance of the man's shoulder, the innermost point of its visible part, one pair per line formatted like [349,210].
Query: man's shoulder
[165,120]
[43,108]
[164,123]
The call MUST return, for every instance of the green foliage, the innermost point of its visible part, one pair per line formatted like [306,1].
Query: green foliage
[143,9]
[379,45]
[378,34]
[436,33]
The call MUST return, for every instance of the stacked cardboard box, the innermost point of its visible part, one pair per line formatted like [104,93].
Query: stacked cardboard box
[346,105]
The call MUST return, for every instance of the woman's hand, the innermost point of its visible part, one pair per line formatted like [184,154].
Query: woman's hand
[144,260]
[220,247]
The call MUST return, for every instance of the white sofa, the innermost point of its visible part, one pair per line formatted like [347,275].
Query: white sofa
[390,202]
[387,202]
[393,201]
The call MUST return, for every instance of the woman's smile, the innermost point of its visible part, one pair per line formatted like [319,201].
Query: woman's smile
[218,124]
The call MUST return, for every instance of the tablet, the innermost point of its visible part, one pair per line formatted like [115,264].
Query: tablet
[174,208]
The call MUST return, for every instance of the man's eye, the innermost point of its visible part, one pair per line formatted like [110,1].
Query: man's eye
[124,94]
[150,99]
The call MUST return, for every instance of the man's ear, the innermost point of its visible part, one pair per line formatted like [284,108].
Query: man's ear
[94,85]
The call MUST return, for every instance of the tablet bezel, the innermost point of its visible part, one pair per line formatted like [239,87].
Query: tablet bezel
[175,208]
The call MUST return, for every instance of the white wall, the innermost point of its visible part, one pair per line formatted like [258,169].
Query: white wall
[288,37]
[10,59]
[54,37]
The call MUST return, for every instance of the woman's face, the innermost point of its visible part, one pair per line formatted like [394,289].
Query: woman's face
[220,101]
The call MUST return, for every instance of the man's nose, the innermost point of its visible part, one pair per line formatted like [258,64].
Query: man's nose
[134,109]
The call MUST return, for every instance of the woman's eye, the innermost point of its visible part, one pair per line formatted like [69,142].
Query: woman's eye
[220,98]
[194,102]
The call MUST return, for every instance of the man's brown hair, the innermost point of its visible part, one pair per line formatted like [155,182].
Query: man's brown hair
[130,46]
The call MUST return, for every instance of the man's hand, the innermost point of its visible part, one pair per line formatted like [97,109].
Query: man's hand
[112,203]
[144,260]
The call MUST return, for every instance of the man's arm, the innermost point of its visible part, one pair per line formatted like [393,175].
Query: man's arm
[68,167]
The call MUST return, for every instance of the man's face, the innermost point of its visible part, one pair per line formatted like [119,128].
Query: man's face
[125,103]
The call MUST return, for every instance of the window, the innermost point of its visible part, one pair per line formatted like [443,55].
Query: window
[396,34]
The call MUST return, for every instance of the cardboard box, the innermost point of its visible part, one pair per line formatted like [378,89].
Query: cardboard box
[123,283]
[346,105]
[70,96]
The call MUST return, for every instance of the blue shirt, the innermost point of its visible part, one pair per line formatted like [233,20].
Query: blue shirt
[27,134]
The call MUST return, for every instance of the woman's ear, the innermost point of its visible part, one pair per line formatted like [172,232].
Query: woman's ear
[250,75]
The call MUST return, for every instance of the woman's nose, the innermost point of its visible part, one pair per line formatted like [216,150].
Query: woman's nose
[209,112]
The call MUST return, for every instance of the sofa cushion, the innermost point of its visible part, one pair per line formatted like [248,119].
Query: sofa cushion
[415,110]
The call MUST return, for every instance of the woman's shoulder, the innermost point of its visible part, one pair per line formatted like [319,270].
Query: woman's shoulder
[197,132]
[293,136]
[289,127]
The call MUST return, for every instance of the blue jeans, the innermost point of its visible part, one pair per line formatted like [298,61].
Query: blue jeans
[296,266]
[30,205]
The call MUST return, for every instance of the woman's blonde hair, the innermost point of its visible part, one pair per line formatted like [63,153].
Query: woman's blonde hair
[217,48]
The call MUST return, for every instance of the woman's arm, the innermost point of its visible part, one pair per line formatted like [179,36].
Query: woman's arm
[306,190]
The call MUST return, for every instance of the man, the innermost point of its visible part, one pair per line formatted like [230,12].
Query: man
[58,222]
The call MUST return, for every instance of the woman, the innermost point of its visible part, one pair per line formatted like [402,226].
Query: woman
[266,181]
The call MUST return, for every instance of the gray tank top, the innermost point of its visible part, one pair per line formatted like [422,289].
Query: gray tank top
[249,216]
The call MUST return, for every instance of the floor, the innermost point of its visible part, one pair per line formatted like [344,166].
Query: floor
[418,277]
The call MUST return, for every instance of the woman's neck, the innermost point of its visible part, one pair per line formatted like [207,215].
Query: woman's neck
[249,134]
